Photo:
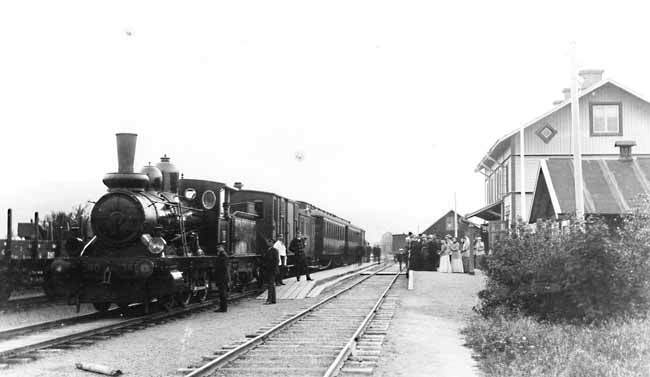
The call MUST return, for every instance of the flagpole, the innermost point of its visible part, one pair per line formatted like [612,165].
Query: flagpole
[576,138]
[455,218]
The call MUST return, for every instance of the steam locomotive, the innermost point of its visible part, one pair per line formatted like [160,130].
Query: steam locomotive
[157,233]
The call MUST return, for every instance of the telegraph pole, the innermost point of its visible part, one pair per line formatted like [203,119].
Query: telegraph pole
[522,174]
[455,218]
[576,137]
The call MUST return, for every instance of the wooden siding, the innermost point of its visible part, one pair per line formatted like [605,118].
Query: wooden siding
[635,121]
[514,198]
[532,167]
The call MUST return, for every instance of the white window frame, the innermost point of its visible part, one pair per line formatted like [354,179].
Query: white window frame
[607,131]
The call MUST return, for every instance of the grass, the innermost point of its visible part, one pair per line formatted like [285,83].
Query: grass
[523,347]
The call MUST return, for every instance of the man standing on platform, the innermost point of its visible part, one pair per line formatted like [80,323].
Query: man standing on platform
[270,262]
[297,246]
[466,255]
[282,252]
[221,272]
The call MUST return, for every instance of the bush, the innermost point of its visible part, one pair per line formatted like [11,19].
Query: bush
[584,273]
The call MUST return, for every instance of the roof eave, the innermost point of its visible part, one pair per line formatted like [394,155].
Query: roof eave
[557,108]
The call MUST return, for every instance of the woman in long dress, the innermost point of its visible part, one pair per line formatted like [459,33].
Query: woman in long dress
[456,260]
[445,265]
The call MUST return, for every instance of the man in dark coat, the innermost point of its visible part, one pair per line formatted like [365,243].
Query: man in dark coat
[297,247]
[221,278]
[435,252]
[415,259]
[270,262]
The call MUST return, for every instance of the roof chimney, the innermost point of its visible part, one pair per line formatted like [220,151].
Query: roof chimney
[590,77]
[238,185]
[625,149]
[567,93]
[555,103]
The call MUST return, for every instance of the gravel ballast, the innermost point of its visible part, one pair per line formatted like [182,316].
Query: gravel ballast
[162,349]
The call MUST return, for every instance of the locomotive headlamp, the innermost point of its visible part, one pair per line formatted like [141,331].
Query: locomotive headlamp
[190,194]
[156,245]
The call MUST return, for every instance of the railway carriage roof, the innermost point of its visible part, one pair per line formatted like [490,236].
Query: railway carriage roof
[267,193]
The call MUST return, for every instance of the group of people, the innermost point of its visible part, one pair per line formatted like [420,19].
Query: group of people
[273,267]
[448,254]
[274,263]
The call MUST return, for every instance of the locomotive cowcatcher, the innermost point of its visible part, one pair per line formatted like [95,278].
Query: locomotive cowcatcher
[156,237]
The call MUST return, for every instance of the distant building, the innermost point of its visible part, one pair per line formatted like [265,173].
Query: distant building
[609,113]
[399,242]
[445,225]
[386,243]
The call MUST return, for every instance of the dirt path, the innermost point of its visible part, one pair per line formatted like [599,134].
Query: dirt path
[424,337]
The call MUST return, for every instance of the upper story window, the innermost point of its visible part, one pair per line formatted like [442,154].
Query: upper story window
[605,119]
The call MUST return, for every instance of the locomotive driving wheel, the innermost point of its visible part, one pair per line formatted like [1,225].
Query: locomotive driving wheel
[204,283]
[184,297]
[5,292]
[101,307]
[124,308]
[167,302]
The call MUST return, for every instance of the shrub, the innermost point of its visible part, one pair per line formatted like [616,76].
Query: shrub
[582,274]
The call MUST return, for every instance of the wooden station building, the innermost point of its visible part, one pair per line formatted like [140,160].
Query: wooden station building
[610,115]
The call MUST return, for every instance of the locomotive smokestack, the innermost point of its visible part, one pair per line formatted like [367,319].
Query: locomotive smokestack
[125,152]
[125,177]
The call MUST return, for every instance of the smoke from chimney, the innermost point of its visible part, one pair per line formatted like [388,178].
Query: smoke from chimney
[567,93]
[590,77]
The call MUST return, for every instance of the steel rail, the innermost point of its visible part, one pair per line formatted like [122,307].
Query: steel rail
[26,302]
[351,344]
[13,332]
[245,347]
[115,326]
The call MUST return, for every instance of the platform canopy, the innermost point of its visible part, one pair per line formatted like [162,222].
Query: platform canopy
[489,212]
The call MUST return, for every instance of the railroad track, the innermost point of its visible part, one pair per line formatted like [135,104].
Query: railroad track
[27,302]
[341,333]
[21,345]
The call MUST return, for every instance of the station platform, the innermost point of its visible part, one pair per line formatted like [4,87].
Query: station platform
[295,290]
[439,304]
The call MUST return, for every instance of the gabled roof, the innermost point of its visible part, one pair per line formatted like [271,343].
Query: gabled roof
[556,108]
[611,187]
[461,219]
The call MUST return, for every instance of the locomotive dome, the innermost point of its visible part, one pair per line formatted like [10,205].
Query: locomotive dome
[155,177]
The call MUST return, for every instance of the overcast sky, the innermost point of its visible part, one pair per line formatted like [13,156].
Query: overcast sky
[392,103]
